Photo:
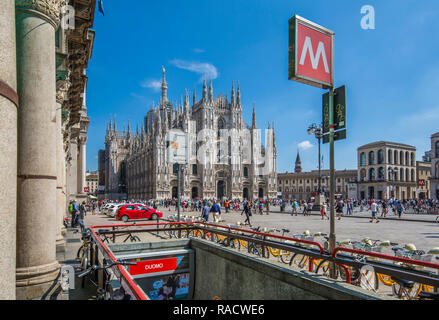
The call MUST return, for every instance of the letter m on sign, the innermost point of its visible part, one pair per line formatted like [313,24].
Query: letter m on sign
[311,50]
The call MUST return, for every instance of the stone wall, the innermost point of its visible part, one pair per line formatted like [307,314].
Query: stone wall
[230,275]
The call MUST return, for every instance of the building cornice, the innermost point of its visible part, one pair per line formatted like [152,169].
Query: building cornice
[49,8]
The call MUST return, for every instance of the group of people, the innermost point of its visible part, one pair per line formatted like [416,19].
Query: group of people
[78,213]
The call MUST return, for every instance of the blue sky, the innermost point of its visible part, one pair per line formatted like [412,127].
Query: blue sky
[391,73]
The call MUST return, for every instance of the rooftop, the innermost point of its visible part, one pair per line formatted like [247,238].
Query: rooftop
[386,143]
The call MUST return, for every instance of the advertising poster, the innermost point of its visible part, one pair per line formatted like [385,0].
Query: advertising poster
[168,287]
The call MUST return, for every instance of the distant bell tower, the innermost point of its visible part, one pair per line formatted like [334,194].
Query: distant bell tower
[298,166]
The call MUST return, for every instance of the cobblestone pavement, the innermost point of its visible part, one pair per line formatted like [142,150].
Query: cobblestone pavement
[420,230]
[424,234]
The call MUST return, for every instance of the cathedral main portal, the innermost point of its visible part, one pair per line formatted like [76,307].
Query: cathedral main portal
[221,190]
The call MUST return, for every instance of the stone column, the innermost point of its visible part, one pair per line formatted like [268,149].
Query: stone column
[60,167]
[8,149]
[81,164]
[72,170]
[36,268]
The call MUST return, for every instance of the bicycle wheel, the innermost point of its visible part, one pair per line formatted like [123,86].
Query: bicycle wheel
[80,253]
[265,253]
[324,267]
[285,256]
[299,260]
[355,273]
[254,250]
[235,244]
[368,280]
[406,293]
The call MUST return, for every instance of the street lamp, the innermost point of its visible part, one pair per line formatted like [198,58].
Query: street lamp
[317,131]
[392,175]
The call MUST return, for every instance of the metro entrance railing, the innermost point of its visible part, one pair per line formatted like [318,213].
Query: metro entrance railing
[342,256]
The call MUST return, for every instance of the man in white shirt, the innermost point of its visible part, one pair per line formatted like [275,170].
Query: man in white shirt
[374,209]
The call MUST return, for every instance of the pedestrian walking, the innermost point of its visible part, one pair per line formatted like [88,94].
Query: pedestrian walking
[399,209]
[81,216]
[73,209]
[205,212]
[349,208]
[305,209]
[339,209]
[323,211]
[248,214]
[374,208]
[216,211]
[261,208]
[309,208]
[294,208]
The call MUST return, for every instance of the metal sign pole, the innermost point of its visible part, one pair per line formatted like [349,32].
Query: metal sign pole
[332,181]
[178,197]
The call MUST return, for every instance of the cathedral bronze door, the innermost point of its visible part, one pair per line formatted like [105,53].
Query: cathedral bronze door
[194,192]
[220,190]
[261,193]
[245,193]
[174,192]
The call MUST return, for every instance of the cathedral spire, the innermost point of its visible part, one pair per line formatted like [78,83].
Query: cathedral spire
[166,122]
[274,136]
[254,116]
[210,91]
[195,97]
[164,87]
[233,93]
[186,101]
[204,89]
[114,124]
[238,96]
[159,123]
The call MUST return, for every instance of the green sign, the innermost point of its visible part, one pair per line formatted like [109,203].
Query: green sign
[338,135]
[326,113]
[338,112]
[340,108]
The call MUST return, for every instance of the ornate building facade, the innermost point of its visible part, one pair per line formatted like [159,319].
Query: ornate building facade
[300,185]
[434,179]
[387,170]
[226,158]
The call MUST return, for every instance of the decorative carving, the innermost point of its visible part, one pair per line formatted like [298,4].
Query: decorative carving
[50,8]
[62,88]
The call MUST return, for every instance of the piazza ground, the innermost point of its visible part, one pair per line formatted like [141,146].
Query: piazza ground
[420,230]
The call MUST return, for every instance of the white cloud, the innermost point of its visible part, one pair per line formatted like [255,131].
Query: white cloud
[198,67]
[196,50]
[153,84]
[305,145]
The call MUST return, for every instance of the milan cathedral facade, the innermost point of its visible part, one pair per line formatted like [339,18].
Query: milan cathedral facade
[225,156]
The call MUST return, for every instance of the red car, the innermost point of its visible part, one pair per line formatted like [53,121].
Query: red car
[137,211]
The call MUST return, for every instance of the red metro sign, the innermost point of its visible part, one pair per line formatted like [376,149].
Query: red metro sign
[311,53]
[154,266]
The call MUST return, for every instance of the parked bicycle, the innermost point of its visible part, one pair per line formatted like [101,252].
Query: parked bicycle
[105,292]
[106,238]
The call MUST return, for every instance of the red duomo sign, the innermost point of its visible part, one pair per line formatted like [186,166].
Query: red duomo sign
[154,266]
[311,53]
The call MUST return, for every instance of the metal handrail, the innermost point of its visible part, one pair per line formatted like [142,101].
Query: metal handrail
[322,250]
[386,257]
[123,274]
